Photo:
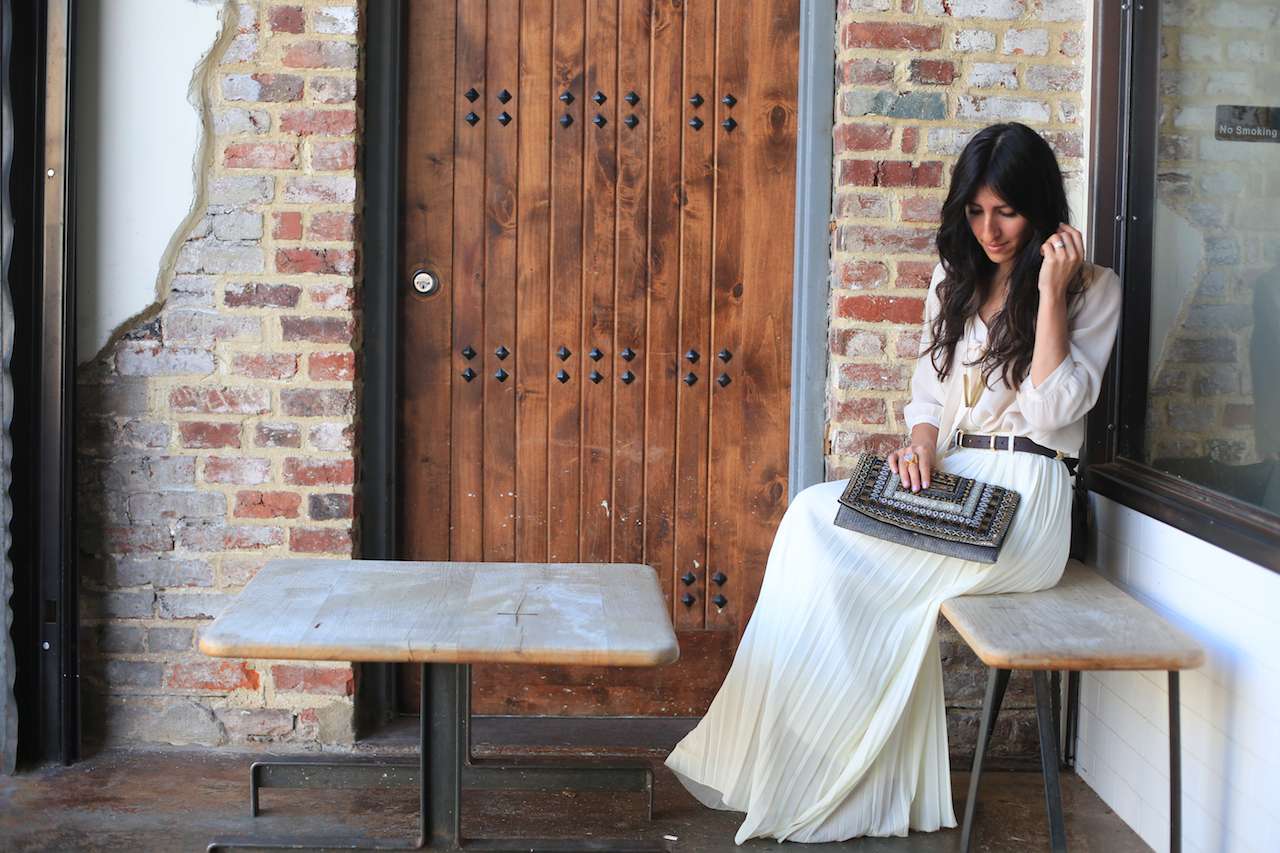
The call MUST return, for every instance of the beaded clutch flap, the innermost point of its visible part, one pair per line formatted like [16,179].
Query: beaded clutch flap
[957,516]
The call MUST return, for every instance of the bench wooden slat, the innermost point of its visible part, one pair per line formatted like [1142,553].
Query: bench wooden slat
[1083,623]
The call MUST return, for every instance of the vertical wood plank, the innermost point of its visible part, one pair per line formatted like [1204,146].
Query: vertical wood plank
[423,525]
[564,417]
[662,355]
[697,228]
[725,422]
[469,277]
[770,174]
[502,210]
[532,352]
[600,165]
[631,282]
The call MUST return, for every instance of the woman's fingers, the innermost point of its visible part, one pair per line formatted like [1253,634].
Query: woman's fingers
[912,464]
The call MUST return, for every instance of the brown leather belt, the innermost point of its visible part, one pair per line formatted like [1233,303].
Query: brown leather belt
[1001,442]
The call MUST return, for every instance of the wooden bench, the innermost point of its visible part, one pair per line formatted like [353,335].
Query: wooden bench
[1083,623]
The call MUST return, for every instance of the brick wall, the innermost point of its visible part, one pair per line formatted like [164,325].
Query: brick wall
[915,79]
[219,431]
[1222,194]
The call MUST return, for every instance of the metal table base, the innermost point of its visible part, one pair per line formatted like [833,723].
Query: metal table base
[443,770]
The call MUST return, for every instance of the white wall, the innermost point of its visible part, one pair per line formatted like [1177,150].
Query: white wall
[1230,707]
[137,139]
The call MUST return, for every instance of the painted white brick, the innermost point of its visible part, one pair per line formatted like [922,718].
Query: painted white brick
[1227,83]
[1197,117]
[973,41]
[1029,42]
[1244,50]
[1058,11]
[991,75]
[1239,16]
[998,10]
[1195,48]
[340,20]
[978,108]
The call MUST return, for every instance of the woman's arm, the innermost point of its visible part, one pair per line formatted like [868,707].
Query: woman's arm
[1063,254]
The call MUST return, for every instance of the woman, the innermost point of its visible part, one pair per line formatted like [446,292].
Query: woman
[831,724]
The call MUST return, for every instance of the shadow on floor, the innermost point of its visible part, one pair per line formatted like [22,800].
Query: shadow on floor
[149,800]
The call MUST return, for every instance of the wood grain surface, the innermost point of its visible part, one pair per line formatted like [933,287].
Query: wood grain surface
[1083,623]
[373,610]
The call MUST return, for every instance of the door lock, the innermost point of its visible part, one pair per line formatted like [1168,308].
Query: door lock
[426,282]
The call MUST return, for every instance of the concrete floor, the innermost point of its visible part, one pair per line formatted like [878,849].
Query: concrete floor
[147,800]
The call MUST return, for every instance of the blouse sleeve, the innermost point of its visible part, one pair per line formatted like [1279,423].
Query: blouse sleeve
[1070,391]
[927,390]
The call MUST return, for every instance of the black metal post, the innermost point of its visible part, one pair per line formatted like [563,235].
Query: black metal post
[997,681]
[1049,762]
[1175,763]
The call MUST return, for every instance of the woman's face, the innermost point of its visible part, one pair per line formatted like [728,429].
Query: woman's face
[1001,231]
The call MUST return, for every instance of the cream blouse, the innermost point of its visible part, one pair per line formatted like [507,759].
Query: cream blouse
[1051,414]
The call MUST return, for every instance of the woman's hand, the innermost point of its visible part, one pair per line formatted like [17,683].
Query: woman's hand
[1063,254]
[914,462]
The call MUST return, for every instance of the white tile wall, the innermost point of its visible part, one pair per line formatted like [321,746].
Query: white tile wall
[1230,707]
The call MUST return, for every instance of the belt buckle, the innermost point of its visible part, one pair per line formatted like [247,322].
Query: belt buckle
[957,438]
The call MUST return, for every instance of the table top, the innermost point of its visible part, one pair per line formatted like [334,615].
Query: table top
[1083,623]
[379,610]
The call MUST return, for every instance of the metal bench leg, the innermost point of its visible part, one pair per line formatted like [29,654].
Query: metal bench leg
[997,681]
[1175,764]
[1049,762]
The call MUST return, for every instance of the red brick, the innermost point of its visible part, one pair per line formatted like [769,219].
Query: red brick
[272,365]
[867,72]
[1065,144]
[861,205]
[210,675]
[278,435]
[327,507]
[872,377]
[910,138]
[886,36]
[863,137]
[319,261]
[320,54]
[890,173]
[332,296]
[915,274]
[254,504]
[331,366]
[861,275]
[320,330]
[256,295]
[848,443]
[279,88]
[896,173]
[331,225]
[287,19]
[319,540]
[333,156]
[866,410]
[305,471]
[908,344]
[260,155]
[238,470]
[932,72]
[222,537]
[859,173]
[288,225]
[857,342]
[1237,415]
[318,122]
[922,208]
[905,240]
[220,401]
[141,537]
[202,435]
[322,681]
[317,402]
[881,309]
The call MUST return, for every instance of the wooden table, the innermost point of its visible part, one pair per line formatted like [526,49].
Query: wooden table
[1083,623]
[445,616]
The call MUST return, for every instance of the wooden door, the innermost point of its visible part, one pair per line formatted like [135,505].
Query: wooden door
[604,190]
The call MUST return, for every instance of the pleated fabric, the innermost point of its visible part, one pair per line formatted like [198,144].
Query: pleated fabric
[830,724]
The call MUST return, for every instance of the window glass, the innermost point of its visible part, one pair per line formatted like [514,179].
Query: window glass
[1213,402]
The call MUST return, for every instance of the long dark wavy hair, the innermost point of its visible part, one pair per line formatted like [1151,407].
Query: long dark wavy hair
[1018,166]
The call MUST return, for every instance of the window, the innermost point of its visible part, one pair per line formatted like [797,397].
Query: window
[1191,219]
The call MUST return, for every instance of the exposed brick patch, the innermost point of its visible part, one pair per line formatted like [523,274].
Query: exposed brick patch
[891,36]
[917,241]
[196,434]
[256,295]
[333,156]
[288,225]
[237,470]
[265,365]
[857,342]
[321,681]
[254,504]
[220,401]
[932,72]
[872,377]
[890,173]
[331,225]
[320,330]
[210,675]
[865,410]
[876,309]
[922,209]
[266,88]
[318,261]
[260,155]
[331,366]
[287,19]
[861,275]
[318,122]
[863,137]
[306,471]
[321,54]
[319,540]
[330,507]
[317,402]
[221,537]
[915,273]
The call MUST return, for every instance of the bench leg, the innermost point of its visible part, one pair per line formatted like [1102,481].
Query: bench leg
[1049,762]
[1175,764]
[997,681]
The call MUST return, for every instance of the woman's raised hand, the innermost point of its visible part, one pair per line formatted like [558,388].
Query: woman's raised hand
[1063,254]
[913,464]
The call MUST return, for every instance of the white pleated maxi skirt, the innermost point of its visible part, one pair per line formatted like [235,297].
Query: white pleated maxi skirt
[830,724]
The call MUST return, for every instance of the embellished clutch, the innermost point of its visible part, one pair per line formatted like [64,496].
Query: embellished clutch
[957,516]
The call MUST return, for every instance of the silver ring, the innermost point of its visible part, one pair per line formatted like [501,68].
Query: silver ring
[1058,244]
[911,459]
